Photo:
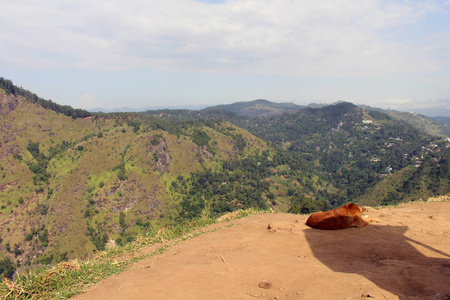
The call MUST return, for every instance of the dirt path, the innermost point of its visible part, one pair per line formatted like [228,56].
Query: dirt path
[406,255]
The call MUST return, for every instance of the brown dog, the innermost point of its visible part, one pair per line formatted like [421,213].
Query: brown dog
[346,216]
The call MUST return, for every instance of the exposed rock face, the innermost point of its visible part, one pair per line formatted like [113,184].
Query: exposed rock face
[8,103]
[5,186]
[203,153]
[121,196]
[157,146]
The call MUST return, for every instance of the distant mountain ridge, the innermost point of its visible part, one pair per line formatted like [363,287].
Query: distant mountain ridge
[71,184]
[438,126]
[435,126]
[442,119]
[132,109]
[256,108]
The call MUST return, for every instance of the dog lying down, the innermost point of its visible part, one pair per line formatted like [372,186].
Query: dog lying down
[346,216]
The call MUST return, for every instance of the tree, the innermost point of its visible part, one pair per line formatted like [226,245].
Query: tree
[6,268]
[200,138]
[122,222]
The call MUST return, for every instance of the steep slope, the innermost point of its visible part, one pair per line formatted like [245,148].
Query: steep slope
[431,126]
[71,185]
[435,126]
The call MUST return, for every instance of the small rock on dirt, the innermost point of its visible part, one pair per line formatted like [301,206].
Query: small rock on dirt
[265,284]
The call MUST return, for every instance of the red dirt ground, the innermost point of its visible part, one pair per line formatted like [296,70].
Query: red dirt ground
[405,255]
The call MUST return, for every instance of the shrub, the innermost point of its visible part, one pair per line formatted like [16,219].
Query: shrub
[6,268]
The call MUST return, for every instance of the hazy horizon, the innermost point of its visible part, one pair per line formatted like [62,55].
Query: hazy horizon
[203,106]
[190,52]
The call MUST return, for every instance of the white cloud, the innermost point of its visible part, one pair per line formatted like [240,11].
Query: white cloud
[322,38]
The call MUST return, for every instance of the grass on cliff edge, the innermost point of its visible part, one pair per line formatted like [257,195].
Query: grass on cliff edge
[69,278]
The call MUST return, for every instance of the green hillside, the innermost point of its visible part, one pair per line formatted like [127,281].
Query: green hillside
[353,150]
[428,125]
[69,186]
[72,184]
[333,154]
[435,126]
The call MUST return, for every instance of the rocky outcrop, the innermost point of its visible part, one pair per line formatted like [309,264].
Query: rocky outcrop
[157,147]
[8,103]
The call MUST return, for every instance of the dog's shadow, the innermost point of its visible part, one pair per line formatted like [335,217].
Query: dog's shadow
[385,256]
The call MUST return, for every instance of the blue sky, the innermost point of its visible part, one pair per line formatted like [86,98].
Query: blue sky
[167,53]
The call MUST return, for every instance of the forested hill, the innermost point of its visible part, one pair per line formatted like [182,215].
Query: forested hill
[70,185]
[256,108]
[353,150]
[431,126]
[346,153]
[240,112]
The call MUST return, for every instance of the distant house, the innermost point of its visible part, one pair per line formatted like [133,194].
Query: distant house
[367,121]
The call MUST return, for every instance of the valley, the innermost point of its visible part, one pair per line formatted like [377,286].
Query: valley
[73,183]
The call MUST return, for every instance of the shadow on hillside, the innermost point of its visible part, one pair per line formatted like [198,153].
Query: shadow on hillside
[386,257]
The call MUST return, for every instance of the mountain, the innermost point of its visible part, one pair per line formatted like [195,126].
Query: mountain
[438,125]
[435,126]
[340,152]
[442,110]
[74,182]
[121,109]
[350,151]
[445,120]
[256,108]
[430,125]
[70,185]
[131,109]
[236,112]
